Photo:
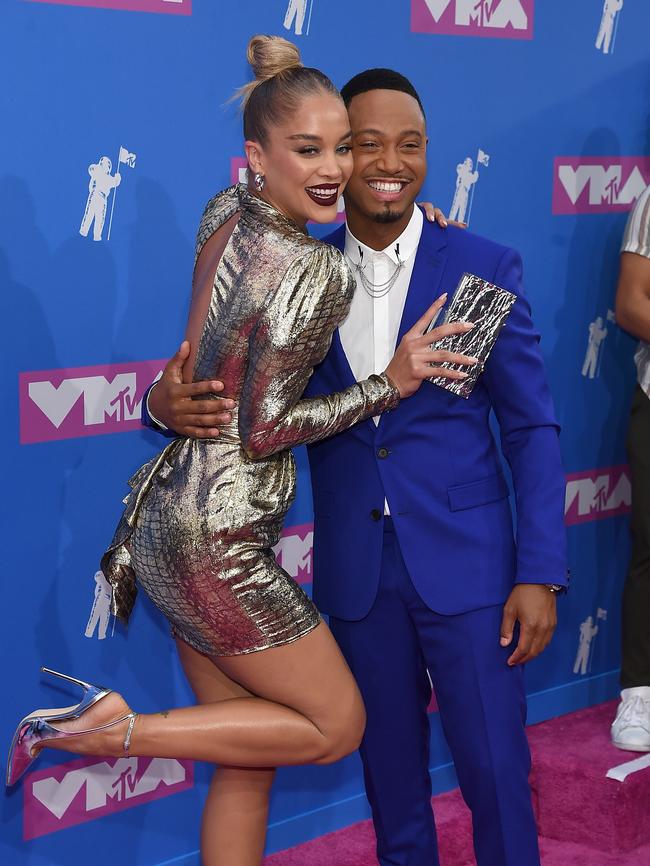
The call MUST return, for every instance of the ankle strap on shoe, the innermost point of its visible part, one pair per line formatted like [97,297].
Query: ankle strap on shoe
[129,731]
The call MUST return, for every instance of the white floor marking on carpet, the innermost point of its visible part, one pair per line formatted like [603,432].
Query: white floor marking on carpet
[622,771]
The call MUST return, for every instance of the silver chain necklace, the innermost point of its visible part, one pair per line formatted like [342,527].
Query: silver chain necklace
[377,290]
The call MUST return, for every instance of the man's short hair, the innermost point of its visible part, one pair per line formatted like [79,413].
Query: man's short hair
[379,79]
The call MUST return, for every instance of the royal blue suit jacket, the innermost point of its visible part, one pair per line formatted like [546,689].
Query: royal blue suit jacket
[436,461]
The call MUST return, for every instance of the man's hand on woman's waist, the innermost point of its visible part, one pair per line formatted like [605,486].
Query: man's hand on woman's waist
[170,402]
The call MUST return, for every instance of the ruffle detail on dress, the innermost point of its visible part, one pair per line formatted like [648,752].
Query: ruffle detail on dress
[116,561]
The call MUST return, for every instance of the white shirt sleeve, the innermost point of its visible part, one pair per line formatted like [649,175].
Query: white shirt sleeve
[151,415]
[637,231]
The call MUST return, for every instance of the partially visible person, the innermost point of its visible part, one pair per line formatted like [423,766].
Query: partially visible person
[631,728]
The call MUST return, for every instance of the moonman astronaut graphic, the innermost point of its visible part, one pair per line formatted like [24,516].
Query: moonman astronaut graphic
[99,188]
[611,9]
[101,609]
[588,632]
[466,177]
[297,9]
[597,333]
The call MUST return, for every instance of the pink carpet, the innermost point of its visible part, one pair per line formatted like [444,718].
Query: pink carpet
[584,818]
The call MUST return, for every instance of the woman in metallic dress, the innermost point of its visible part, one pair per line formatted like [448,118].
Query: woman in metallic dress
[202,518]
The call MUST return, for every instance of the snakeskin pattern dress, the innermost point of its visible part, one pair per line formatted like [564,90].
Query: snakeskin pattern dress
[200,523]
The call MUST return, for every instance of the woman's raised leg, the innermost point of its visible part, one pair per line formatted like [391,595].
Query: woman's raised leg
[305,708]
[233,824]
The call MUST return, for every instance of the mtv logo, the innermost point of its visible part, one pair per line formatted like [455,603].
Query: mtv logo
[502,19]
[89,788]
[83,401]
[239,174]
[596,494]
[598,184]
[294,552]
[162,7]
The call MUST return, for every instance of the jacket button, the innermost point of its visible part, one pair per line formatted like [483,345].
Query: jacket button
[383,453]
[375,514]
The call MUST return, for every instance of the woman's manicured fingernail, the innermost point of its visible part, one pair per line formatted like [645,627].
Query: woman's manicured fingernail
[443,297]
[445,223]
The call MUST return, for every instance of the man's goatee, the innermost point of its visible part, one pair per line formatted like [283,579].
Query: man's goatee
[387,216]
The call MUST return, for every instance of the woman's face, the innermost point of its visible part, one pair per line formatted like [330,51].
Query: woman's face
[306,160]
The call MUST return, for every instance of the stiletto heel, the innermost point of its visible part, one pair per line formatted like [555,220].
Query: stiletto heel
[85,686]
[91,694]
[36,728]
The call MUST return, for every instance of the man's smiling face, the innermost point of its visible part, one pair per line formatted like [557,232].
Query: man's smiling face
[389,147]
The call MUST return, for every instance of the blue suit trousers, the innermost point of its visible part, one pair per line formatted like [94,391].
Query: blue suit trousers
[482,708]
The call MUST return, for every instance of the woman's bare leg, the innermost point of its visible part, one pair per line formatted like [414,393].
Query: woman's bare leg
[233,825]
[307,709]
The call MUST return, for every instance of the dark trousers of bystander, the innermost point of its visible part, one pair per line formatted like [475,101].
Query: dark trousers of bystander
[635,667]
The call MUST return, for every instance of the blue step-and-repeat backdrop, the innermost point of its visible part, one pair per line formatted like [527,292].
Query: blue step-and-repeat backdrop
[115,132]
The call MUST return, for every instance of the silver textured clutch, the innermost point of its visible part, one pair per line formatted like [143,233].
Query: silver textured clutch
[487,306]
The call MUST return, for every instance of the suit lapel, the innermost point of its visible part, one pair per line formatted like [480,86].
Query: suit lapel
[426,279]
[337,352]
[337,356]
[340,361]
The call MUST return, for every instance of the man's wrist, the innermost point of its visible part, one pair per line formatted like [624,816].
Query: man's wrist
[152,417]
[558,586]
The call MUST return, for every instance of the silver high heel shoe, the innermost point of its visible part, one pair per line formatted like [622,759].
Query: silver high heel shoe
[36,728]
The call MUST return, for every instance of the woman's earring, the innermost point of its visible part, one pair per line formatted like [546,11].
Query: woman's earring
[258,180]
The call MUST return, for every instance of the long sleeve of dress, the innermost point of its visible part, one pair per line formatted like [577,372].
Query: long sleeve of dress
[293,334]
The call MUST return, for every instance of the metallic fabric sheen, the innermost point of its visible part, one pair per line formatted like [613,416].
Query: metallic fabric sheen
[203,515]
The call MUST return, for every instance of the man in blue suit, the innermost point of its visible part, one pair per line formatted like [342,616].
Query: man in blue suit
[415,559]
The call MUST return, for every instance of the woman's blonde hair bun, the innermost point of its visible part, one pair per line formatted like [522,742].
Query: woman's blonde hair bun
[280,85]
[272,55]
[269,56]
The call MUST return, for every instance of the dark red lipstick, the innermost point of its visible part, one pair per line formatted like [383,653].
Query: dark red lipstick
[324,194]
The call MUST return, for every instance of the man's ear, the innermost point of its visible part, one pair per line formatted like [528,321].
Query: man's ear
[254,156]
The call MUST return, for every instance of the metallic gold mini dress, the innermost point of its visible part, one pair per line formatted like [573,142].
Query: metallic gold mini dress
[200,523]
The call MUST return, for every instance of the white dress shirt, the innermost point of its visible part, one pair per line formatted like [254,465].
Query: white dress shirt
[369,334]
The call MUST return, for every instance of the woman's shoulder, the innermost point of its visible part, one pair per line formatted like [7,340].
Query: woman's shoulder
[325,266]
[319,253]
[222,205]
[339,268]
[217,211]
[225,201]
